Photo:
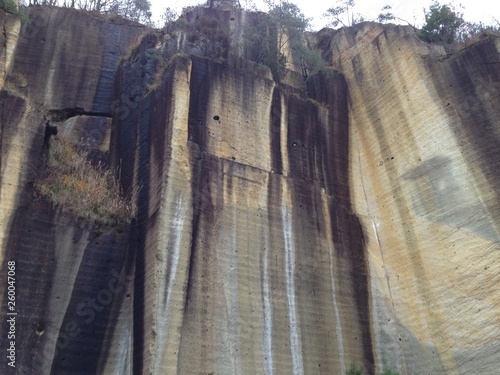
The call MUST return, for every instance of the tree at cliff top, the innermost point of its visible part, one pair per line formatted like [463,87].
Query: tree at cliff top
[224,3]
[343,14]
[8,6]
[469,30]
[387,16]
[442,23]
[281,30]
[135,10]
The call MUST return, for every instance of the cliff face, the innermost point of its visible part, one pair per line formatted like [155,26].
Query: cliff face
[293,228]
[67,269]
[425,136]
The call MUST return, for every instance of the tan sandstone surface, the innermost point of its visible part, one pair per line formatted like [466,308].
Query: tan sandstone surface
[291,228]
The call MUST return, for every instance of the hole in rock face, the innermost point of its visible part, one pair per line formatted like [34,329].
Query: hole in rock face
[216,118]
[39,330]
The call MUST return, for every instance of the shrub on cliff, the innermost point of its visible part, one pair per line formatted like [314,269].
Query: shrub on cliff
[278,32]
[470,30]
[442,23]
[135,10]
[10,6]
[342,14]
[71,181]
[354,370]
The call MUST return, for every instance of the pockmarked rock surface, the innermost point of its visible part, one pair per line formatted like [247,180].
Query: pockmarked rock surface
[291,228]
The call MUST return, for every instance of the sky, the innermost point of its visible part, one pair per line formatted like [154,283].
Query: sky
[412,11]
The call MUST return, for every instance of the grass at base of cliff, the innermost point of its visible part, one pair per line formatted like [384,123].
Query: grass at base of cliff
[72,182]
[354,370]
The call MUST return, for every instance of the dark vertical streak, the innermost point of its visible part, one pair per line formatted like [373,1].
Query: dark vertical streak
[103,258]
[346,227]
[31,245]
[277,163]
[347,230]
[475,70]
[197,207]
[200,83]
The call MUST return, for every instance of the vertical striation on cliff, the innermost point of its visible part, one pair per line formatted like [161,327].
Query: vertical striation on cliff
[292,227]
[425,132]
[72,275]
[236,270]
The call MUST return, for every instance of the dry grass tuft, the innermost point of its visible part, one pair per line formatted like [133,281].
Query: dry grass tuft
[71,181]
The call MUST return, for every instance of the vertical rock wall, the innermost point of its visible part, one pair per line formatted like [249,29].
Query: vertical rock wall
[281,228]
[8,40]
[73,278]
[425,135]
[250,259]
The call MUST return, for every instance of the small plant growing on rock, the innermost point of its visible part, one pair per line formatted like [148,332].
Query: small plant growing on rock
[72,182]
[354,370]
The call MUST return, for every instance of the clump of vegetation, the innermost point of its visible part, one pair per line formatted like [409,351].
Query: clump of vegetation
[445,24]
[442,23]
[469,30]
[342,14]
[71,181]
[354,370]
[10,6]
[282,28]
[387,16]
[208,38]
[135,10]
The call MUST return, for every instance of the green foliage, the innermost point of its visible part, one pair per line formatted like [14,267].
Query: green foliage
[190,8]
[442,23]
[154,54]
[386,14]
[208,38]
[469,30]
[135,10]
[169,16]
[283,27]
[353,370]
[389,372]
[343,14]
[386,370]
[311,61]
[287,16]
[9,6]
